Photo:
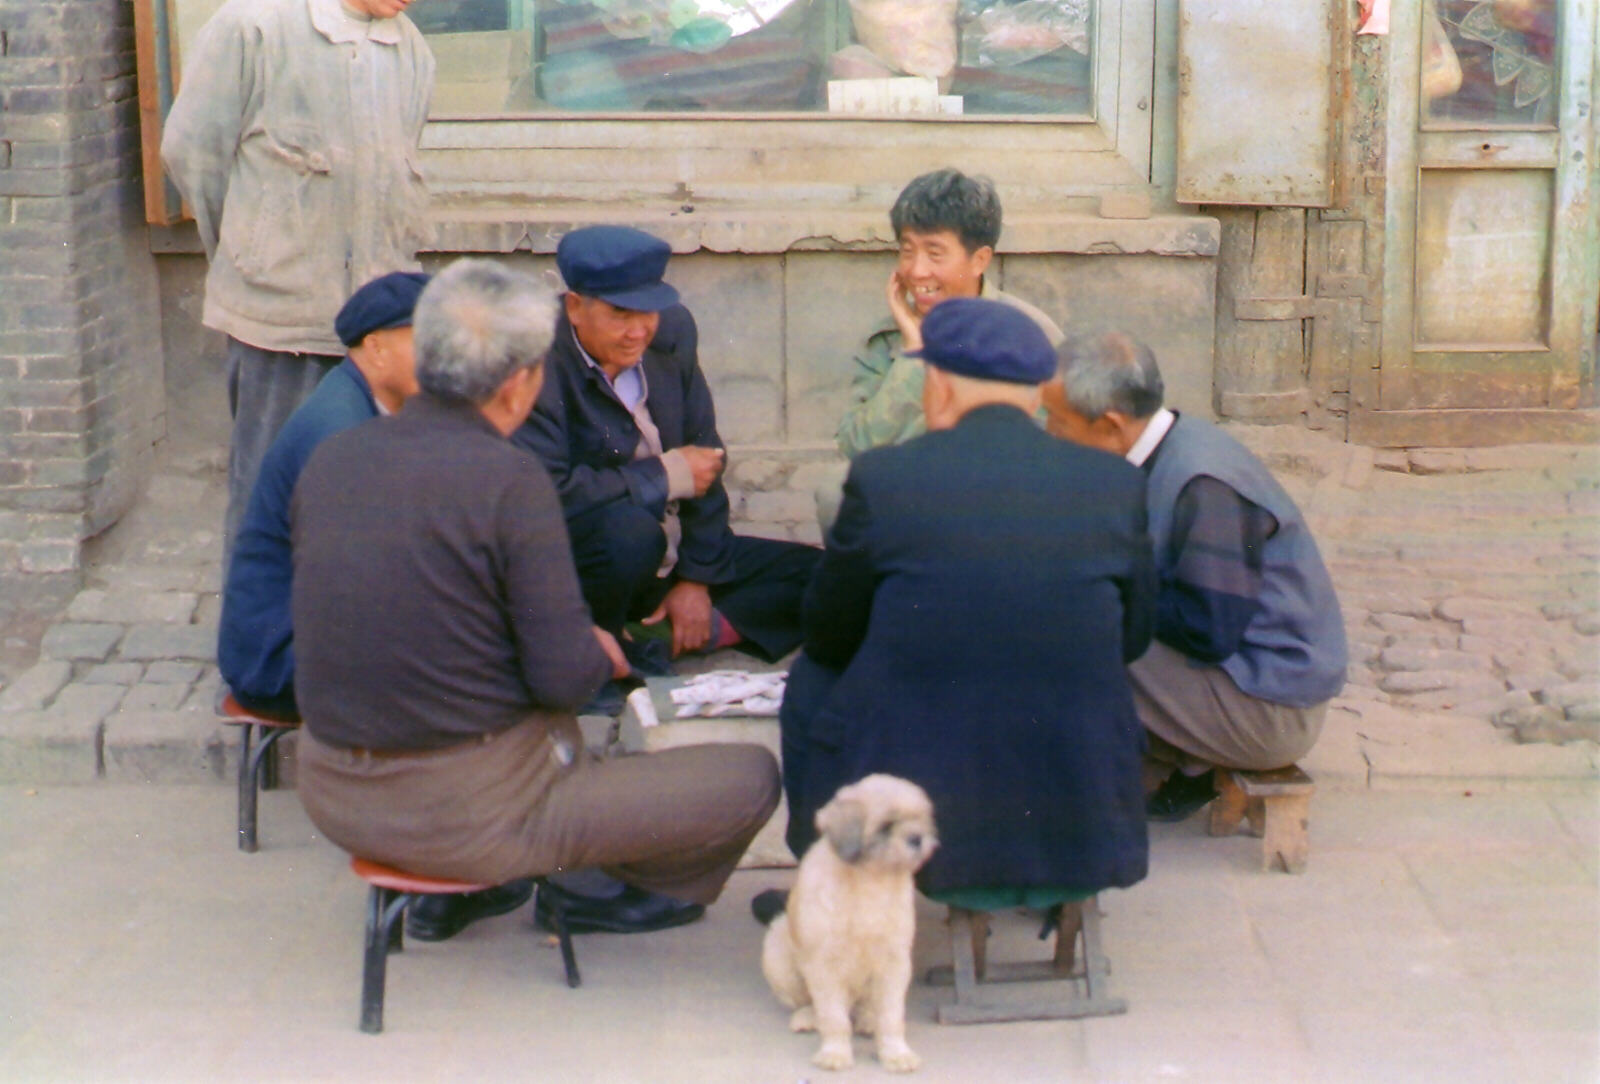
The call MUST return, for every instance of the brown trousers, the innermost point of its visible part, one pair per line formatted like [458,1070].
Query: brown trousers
[1197,716]
[530,801]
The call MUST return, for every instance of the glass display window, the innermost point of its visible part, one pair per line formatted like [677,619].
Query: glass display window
[840,57]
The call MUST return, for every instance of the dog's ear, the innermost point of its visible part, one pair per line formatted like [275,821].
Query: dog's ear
[843,822]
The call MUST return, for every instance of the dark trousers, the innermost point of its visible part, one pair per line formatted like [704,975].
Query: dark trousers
[264,388]
[813,764]
[618,548]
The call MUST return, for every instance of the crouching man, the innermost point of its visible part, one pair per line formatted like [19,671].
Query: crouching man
[443,644]
[1249,640]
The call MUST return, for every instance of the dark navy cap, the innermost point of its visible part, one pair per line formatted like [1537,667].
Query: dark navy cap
[387,301]
[989,340]
[617,264]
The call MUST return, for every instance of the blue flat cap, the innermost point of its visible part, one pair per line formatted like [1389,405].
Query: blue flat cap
[617,264]
[387,301]
[989,340]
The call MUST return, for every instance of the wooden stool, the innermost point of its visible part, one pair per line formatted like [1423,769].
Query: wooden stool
[1277,804]
[971,971]
[392,891]
[256,770]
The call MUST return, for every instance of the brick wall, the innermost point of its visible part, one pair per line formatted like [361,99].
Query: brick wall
[80,347]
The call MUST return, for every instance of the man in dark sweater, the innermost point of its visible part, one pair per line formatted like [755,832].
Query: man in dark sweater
[1249,644]
[255,648]
[443,645]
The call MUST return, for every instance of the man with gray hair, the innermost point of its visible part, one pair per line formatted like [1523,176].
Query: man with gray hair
[443,645]
[1249,643]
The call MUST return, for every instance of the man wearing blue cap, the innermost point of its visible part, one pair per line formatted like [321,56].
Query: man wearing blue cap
[982,591]
[626,427]
[254,638]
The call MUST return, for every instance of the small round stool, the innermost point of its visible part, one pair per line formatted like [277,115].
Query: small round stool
[255,764]
[391,892]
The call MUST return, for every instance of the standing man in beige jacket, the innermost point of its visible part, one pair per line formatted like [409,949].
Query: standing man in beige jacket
[293,140]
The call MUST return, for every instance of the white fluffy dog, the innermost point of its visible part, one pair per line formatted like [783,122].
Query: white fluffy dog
[841,951]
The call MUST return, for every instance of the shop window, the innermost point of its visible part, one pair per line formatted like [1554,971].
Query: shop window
[988,57]
[1489,63]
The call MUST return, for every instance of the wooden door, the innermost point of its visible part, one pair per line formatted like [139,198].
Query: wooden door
[1491,268]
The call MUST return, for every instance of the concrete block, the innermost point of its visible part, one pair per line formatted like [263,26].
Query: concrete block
[36,686]
[1460,608]
[1408,748]
[784,506]
[1575,692]
[79,641]
[44,747]
[738,305]
[113,673]
[1169,301]
[832,302]
[1391,459]
[163,747]
[93,702]
[1125,205]
[173,673]
[756,474]
[154,643]
[132,606]
[1419,681]
[1470,691]
[148,697]
[1403,656]
[1437,461]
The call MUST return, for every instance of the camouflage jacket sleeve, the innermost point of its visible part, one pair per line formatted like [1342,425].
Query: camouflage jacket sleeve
[886,397]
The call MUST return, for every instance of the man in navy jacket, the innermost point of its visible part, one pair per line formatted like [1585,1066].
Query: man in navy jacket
[626,428]
[968,628]
[254,639]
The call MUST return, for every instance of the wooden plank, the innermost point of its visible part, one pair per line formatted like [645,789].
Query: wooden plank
[156,82]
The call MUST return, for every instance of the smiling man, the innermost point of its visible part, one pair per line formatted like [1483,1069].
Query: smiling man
[626,427]
[947,225]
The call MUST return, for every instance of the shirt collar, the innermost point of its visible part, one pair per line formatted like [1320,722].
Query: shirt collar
[333,23]
[1151,438]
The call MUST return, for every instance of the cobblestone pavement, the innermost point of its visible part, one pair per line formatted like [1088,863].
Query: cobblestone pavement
[1470,582]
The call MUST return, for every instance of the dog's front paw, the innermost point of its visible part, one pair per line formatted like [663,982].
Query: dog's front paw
[898,1058]
[803,1019]
[833,1056]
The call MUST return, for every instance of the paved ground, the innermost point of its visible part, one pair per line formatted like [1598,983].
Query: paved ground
[1435,936]
[1447,928]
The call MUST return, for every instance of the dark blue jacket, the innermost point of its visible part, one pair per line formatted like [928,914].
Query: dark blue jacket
[254,639]
[982,591]
[586,439]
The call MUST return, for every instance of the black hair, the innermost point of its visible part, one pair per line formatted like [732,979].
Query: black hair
[948,199]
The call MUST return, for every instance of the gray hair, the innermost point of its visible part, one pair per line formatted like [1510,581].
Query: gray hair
[948,199]
[476,324]
[1111,371]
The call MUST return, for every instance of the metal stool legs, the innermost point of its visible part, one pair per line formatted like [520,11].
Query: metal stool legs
[385,934]
[569,958]
[252,763]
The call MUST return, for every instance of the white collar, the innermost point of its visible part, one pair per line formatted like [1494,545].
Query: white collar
[1151,438]
[339,26]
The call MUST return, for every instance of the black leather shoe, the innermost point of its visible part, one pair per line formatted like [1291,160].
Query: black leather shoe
[633,910]
[1181,796]
[439,918]
[768,904]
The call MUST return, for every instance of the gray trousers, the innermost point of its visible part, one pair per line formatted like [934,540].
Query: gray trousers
[264,388]
[1197,716]
[530,801]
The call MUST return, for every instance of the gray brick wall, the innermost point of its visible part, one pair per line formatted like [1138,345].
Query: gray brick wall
[80,346]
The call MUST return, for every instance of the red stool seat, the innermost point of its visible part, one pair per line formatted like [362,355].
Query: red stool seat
[231,711]
[401,881]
